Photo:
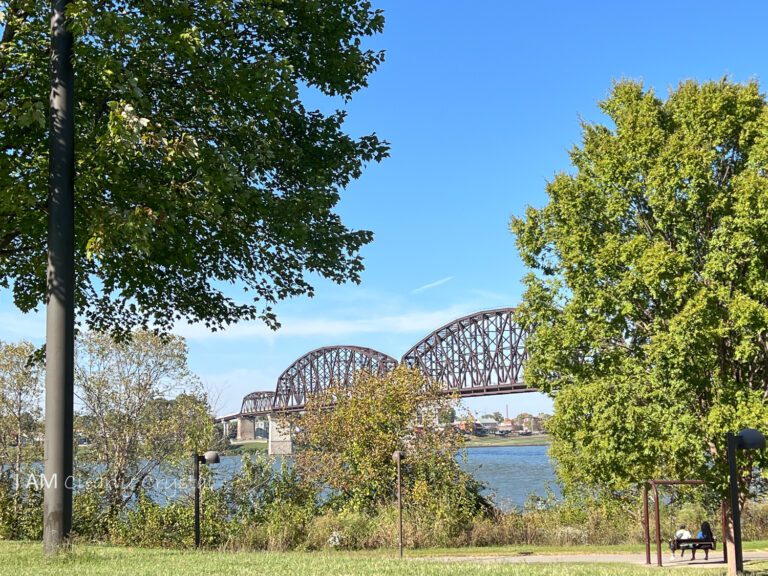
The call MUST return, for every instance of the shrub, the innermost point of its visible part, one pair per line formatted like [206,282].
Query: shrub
[90,519]
[21,510]
[152,525]
[345,530]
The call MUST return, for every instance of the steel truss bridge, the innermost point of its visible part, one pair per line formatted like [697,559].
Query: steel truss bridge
[477,355]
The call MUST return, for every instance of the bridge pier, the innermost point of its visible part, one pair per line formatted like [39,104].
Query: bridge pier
[246,428]
[261,428]
[280,441]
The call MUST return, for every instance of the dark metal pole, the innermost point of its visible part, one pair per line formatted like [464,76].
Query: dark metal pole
[658,522]
[646,526]
[735,512]
[196,474]
[60,321]
[724,524]
[400,506]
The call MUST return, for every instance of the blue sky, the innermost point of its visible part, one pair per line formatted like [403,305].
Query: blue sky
[481,101]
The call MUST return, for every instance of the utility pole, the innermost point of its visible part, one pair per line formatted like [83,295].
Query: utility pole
[196,476]
[60,319]
[736,566]
[397,457]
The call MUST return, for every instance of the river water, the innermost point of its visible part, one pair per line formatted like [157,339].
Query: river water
[509,473]
[512,473]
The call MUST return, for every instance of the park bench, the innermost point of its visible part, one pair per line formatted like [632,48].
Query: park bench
[692,544]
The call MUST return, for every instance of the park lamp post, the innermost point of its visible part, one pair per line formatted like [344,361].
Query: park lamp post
[747,439]
[209,457]
[397,457]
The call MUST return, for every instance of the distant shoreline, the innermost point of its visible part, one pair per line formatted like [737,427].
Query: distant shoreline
[256,446]
[496,441]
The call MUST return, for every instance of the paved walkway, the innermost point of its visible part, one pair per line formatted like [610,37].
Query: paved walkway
[715,559]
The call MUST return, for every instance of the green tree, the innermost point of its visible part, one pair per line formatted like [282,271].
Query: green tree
[21,387]
[648,304]
[348,448]
[198,164]
[495,416]
[447,415]
[141,408]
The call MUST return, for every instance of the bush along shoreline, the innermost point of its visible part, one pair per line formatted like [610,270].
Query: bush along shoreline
[268,507]
[338,491]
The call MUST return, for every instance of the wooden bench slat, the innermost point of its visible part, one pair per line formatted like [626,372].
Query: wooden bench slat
[690,543]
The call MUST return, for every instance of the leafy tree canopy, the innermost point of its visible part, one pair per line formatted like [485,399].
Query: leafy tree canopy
[347,437]
[21,389]
[140,408]
[197,164]
[495,416]
[648,304]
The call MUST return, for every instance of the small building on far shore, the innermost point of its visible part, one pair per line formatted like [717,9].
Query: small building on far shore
[508,426]
[488,425]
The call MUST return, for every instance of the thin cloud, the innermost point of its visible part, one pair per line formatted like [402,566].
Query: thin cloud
[15,326]
[431,285]
[415,322]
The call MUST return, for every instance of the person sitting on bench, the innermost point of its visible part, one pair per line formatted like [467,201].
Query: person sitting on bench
[704,534]
[681,534]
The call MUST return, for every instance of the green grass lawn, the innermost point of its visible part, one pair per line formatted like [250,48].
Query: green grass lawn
[520,549]
[534,440]
[25,558]
[251,447]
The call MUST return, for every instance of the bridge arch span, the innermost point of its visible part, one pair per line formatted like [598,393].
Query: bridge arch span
[257,403]
[317,370]
[476,355]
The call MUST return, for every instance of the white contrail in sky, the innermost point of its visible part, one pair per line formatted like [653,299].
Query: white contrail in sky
[431,285]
